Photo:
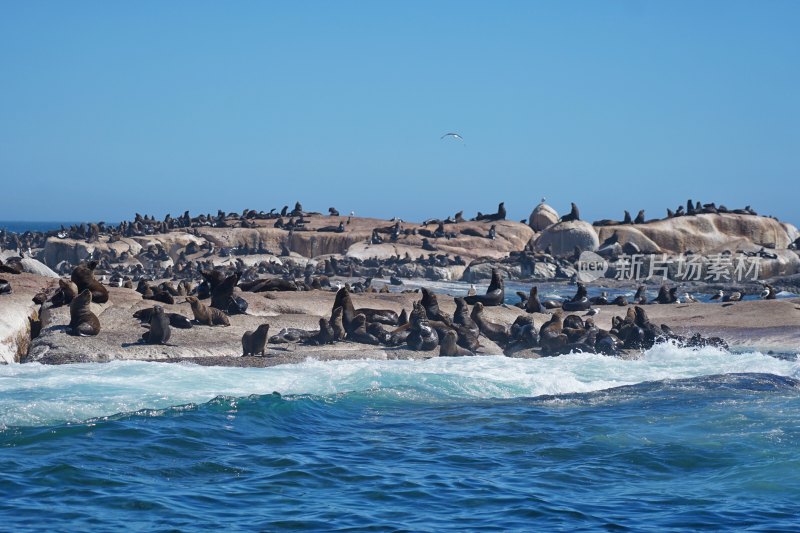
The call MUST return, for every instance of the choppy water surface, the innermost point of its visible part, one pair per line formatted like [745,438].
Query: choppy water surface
[681,439]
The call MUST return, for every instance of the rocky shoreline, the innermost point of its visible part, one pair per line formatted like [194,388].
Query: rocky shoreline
[288,267]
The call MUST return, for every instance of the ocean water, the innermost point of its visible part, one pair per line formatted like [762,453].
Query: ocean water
[17,226]
[678,440]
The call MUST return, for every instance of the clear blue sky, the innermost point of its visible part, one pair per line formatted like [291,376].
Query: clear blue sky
[108,108]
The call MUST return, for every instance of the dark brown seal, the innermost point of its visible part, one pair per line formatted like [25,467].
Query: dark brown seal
[449,348]
[82,321]
[83,277]
[253,342]
[159,327]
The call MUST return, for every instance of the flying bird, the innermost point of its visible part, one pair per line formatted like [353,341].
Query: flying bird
[453,135]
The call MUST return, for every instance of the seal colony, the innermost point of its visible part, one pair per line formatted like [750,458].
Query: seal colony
[185,280]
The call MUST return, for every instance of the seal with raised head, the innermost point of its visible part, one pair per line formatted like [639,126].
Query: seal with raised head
[82,321]
[83,277]
[497,333]
[574,214]
[325,335]
[533,305]
[579,302]
[449,348]
[159,327]
[254,342]
[207,316]
[495,294]
[222,295]
[551,338]
[339,333]
[343,300]
[421,336]
[431,305]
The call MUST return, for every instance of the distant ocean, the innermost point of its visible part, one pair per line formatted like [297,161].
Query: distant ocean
[18,226]
[680,440]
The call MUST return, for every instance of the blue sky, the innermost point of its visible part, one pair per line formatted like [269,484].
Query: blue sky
[109,108]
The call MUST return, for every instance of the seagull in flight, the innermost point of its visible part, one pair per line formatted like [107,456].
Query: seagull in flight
[453,135]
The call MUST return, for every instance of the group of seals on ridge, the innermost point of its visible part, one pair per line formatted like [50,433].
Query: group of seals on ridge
[691,209]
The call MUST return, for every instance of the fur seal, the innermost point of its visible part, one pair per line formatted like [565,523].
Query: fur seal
[495,294]
[343,300]
[82,321]
[574,214]
[431,305]
[421,336]
[359,331]
[579,302]
[337,324]
[500,215]
[254,342]
[207,316]
[449,348]
[641,295]
[176,320]
[159,327]
[497,333]
[10,267]
[667,296]
[83,277]
[551,337]
[522,335]
[325,335]
[222,294]
[533,305]
[65,293]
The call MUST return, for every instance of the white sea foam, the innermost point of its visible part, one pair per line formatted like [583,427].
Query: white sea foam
[33,394]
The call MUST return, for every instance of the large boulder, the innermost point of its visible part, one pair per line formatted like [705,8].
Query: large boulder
[702,234]
[564,237]
[30,265]
[542,216]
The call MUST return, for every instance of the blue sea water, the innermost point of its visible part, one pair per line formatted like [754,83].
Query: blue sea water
[27,225]
[677,440]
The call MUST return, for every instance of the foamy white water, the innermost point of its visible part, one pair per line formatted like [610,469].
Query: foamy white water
[33,394]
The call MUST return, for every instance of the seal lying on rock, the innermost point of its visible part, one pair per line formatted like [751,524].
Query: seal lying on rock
[82,321]
[83,277]
[207,316]
[176,320]
[254,342]
[11,267]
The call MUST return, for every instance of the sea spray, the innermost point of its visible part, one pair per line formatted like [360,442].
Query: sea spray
[35,395]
